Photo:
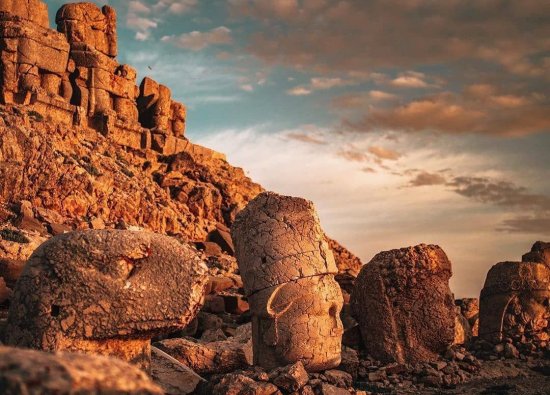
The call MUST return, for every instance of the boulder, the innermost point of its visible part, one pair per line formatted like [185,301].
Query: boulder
[35,373]
[404,306]
[106,292]
[290,378]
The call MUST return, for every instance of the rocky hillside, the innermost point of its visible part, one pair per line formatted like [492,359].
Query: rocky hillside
[56,178]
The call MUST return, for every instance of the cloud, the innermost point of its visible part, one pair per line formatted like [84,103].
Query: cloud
[421,32]
[197,41]
[321,83]
[299,91]
[424,179]
[476,110]
[384,153]
[144,18]
[306,138]
[411,79]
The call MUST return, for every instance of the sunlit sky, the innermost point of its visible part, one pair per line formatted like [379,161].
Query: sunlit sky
[406,122]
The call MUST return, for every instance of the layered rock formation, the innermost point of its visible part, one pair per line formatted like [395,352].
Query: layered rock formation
[106,292]
[404,306]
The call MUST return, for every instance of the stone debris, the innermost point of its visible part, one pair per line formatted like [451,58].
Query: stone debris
[105,292]
[404,306]
[36,373]
[212,357]
[288,272]
[171,375]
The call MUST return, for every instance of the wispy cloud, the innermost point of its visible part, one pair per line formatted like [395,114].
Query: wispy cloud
[197,41]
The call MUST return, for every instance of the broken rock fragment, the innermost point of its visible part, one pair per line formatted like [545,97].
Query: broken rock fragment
[106,292]
[288,273]
[404,306]
[35,373]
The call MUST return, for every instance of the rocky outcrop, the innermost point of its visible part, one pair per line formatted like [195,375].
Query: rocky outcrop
[105,292]
[35,373]
[404,306]
[288,275]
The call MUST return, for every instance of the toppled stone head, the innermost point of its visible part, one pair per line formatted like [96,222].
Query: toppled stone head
[288,274]
[105,292]
[515,302]
[404,306]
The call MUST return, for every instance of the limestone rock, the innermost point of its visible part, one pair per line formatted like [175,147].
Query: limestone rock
[171,375]
[105,292]
[514,302]
[238,384]
[207,358]
[288,274]
[290,378]
[404,306]
[35,373]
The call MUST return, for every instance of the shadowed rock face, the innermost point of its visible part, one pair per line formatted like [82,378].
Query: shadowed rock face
[106,292]
[515,302]
[288,273]
[404,306]
[35,373]
[540,252]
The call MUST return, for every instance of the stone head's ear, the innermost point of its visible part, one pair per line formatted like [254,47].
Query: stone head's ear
[270,332]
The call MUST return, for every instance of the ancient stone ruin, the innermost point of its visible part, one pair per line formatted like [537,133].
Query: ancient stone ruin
[288,275]
[515,303]
[71,76]
[105,292]
[540,252]
[404,306]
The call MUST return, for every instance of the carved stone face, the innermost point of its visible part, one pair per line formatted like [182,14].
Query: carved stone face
[515,302]
[298,320]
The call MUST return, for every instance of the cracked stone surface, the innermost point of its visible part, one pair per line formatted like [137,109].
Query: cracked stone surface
[35,373]
[404,306]
[288,273]
[106,292]
[515,303]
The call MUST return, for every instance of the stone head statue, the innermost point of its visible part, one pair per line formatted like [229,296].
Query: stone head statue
[105,292]
[288,275]
[87,24]
[540,252]
[515,302]
[404,306]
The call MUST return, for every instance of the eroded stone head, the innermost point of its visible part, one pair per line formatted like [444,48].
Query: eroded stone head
[288,273]
[106,292]
[404,305]
[540,252]
[86,23]
[515,302]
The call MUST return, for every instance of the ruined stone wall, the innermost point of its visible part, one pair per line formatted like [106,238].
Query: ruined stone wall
[71,76]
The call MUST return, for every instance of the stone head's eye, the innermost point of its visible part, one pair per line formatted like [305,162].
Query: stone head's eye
[333,311]
[55,310]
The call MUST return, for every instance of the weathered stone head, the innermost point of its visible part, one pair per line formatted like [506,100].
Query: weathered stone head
[86,23]
[515,302]
[106,292]
[288,274]
[404,306]
[540,252]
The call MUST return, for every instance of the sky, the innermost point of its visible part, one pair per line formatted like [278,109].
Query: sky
[406,122]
